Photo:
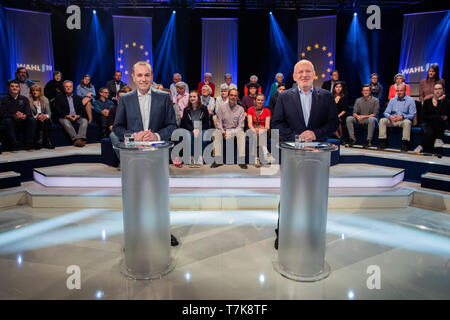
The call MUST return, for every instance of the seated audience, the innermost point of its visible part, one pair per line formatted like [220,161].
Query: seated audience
[40,110]
[25,83]
[230,125]
[436,118]
[102,106]
[176,79]
[274,97]
[207,81]
[342,106]
[376,89]
[400,112]
[278,81]
[399,79]
[334,78]
[195,118]
[15,115]
[220,100]
[228,83]
[182,97]
[259,121]
[249,100]
[68,110]
[54,86]
[253,81]
[113,110]
[86,91]
[364,112]
[115,85]
[207,100]
[426,87]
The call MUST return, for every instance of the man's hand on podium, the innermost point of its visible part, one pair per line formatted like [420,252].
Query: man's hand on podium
[146,135]
[308,135]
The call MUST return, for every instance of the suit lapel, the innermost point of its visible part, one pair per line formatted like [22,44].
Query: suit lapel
[138,111]
[152,110]
[298,103]
[314,104]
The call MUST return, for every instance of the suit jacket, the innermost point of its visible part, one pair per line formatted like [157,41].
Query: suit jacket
[61,106]
[162,116]
[288,116]
[111,85]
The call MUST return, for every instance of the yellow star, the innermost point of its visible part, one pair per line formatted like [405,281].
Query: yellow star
[146,53]
[141,47]
[126,71]
[148,61]
[121,51]
[316,77]
[329,54]
[134,44]
[323,76]
[331,61]
[324,48]
[119,59]
[316,46]
[126,45]
[121,66]
[308,48]
[303,54]
[328,70]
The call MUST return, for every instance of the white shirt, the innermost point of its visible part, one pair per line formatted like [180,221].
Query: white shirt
[144,105]
[306,99]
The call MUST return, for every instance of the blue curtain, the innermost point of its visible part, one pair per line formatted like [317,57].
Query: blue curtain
[423,43]
[132,43]
[317,43]
[219,49]
[30,43]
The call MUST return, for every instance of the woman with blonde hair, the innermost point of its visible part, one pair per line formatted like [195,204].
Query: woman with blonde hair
[40,109]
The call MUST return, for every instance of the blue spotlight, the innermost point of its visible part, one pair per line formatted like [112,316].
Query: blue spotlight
[355,14]
[174,12]
[270,13]
[94,11]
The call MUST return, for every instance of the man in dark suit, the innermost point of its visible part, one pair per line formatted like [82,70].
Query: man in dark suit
[305,110]
[329,84]
[115,85]
[68,109]
[146,112]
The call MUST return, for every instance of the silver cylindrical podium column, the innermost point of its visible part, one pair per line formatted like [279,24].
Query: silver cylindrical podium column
[146,213]
[303,211]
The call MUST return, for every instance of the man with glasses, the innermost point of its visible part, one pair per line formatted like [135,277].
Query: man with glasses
[101,109]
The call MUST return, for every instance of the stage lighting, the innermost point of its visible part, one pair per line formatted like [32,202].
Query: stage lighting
[94,11]
[355,14]
[174,12]
[270,12]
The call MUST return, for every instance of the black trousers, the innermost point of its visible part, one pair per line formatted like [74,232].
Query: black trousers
[12,126]
[43,131]
[431,132]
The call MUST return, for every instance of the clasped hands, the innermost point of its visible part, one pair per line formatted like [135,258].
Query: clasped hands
[20,115]
[146,135]
[396,118]
[73,117]
[308,136]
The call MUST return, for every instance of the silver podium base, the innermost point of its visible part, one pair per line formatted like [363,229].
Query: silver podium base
[299,277]
[145,276]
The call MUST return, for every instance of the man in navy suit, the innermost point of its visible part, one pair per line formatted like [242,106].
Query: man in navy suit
[305,110]
[147,113]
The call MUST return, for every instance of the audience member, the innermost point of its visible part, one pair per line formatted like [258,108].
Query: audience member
[40,110]
[182,97]
[399,79]
[278,81]
[54,86]
[228,83]
[436,116]
[15,115]
[376,89]
[68,110]
[25,83]
[207,81]
[259,121]
[115,85]
[274,97]
[341,103]
[86,91]
[176,78]
[230,125]
[195,119]
[400,112]
[207,100]
[249,100]
[334,78]
[364,112]
[220,100]
[102,106]
[253,81]
[113,110]
[426,87]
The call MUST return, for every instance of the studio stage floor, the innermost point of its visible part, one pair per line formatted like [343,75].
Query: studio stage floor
[226,236]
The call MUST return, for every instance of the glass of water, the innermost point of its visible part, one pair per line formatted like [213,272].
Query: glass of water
[128,139]
[299,143]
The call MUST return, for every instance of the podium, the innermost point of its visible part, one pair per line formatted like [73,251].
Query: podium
[146,214]
[303,211]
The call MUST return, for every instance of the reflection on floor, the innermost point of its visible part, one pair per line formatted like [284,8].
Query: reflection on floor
[224,255]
